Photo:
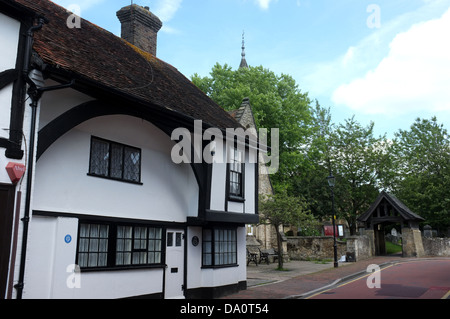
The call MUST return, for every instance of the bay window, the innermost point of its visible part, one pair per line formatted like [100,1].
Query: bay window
[111,245]
[219,247]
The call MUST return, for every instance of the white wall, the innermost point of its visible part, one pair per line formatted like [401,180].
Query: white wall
[58,102]
[9,38]
[209,277]
[218,186]
[169,192]
[36,76]
[218,191]
[49,257]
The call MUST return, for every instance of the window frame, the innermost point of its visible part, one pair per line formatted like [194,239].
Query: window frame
[112,252]
[212,251]
[109,175]
[89,240]
[240,175]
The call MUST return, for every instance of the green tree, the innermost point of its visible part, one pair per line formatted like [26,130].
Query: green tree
[281,209]
[310,182]
[356,159]
[277,102]
[353,155]
[421,172]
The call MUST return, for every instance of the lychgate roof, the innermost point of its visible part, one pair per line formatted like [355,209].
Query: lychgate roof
[387,207]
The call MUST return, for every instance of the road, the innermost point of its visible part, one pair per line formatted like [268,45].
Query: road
[422,279]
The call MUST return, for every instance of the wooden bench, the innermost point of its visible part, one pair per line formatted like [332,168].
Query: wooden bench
[252,255]
[266,254]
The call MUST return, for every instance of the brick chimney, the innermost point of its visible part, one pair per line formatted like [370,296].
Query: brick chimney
[140,27]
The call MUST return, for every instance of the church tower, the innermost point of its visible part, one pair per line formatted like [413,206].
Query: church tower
[243,64]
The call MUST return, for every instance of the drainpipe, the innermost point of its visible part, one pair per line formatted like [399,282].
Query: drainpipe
[35,93]
[26,218]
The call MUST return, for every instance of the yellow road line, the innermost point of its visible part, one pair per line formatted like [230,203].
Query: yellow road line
[319,293]
[349,282]
[367,275]
[446,295]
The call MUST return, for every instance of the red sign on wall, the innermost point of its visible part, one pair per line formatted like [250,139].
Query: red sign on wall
[328,230]
[15,171]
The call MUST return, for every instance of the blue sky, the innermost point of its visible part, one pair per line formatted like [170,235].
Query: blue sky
[386,61]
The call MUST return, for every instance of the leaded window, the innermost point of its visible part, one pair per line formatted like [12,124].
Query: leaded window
[115,161]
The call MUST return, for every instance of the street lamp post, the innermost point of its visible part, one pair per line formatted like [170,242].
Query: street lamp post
[331,182]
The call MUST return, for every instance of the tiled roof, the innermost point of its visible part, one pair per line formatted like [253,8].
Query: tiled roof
[401,208]
[99,58]
[237,114]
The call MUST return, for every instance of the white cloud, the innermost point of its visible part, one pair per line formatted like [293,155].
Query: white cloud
[264,4]
[324,77]
[415,75]
[166,10]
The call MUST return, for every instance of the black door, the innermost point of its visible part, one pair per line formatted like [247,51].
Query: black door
[6,219]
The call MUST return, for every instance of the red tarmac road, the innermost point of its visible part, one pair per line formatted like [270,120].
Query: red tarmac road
[422,279]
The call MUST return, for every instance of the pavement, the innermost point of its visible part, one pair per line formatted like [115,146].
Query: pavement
[303,278]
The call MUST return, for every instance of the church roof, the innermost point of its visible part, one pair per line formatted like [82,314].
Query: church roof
[239,113]
[243,64]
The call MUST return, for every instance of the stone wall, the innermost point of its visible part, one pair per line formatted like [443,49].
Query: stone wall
[436,246]
[412,245]
[310,248]
[360,246]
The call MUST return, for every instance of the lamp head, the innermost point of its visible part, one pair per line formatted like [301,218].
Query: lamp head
[331,180]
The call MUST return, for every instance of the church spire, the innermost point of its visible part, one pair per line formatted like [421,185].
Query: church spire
[243,64]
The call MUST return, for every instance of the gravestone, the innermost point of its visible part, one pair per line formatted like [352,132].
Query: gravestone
[427,232]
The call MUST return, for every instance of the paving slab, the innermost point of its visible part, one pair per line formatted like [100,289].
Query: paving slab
[268,274]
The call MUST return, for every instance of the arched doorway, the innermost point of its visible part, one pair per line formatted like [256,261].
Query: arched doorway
[388,210]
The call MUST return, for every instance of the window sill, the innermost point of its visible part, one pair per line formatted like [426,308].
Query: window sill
[238,199]
[220,266]
[123,268]
[115,179]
